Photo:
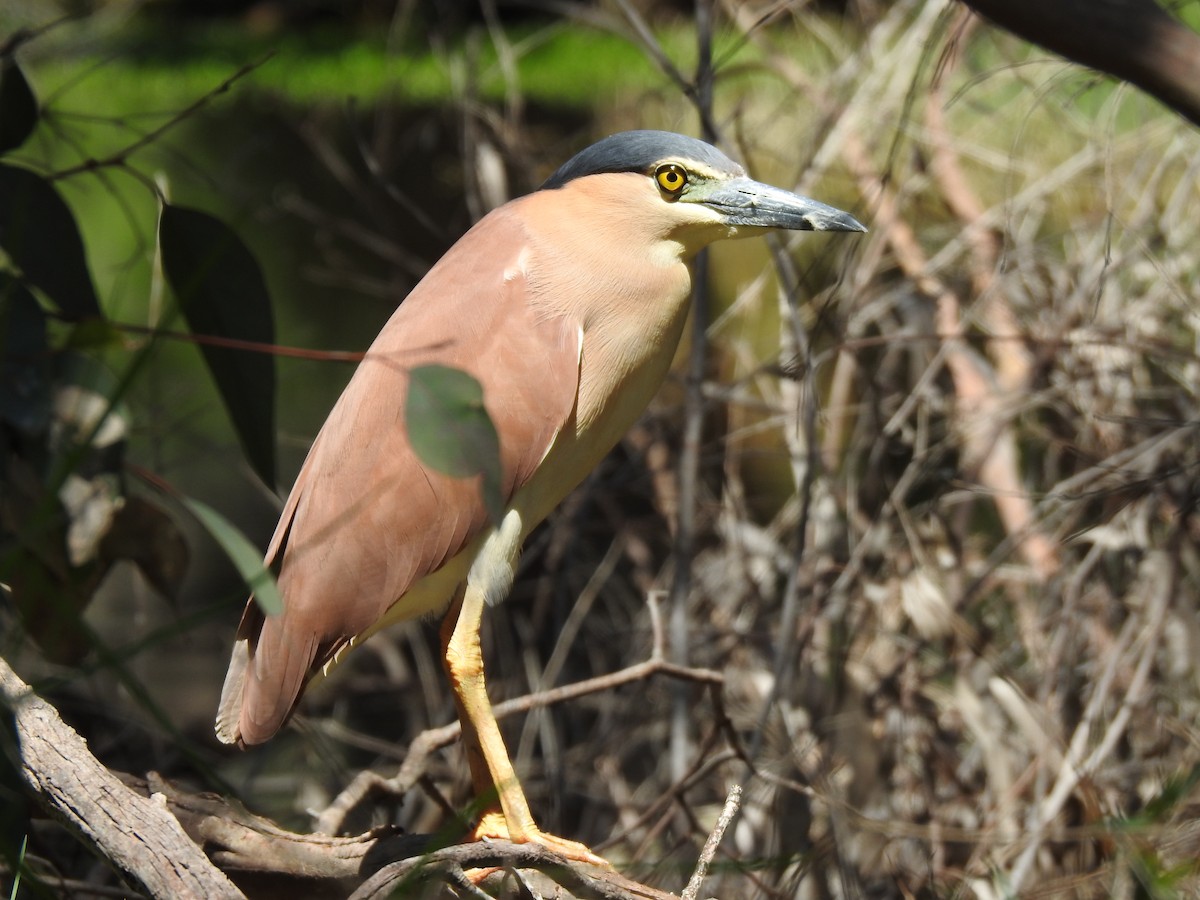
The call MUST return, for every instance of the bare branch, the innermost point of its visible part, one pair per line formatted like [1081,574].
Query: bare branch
[138,834]
[367,783]
[732,802]
[121,157]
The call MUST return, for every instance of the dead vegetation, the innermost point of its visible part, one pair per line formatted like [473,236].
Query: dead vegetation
[947,551]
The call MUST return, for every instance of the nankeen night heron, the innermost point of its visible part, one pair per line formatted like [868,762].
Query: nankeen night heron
[567,305]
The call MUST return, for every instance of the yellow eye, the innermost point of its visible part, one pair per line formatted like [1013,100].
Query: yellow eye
[671,178]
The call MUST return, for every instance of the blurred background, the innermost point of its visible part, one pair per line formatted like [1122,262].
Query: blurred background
[945,532]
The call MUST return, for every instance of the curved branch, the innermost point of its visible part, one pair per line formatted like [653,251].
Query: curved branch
[137,834]
[582,881]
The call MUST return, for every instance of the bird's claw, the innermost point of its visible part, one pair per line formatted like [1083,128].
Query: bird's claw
[494,827]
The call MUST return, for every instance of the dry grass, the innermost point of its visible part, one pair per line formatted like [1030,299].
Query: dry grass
[949,561]
[948,546]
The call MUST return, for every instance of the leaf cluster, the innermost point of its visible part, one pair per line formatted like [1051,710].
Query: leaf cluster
[67,512]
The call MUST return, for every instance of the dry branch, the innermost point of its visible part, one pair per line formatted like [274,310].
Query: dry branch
[569,879]
[153,830]
[732,802]
[367,784]
[137,834]
[989,443]
[1161,571]
[269,861]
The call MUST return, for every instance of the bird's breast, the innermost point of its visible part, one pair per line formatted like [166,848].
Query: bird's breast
[627,351]
[630,320]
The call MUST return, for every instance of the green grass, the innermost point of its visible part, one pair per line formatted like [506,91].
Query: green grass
[19,868]
[142,68]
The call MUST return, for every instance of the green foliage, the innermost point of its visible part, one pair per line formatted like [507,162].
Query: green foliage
[1175,792]
[450,429]
[553,65]
[16,885]
[244,555]
[24,361]
[18,107]
[39,234]
[66,517]
[221,291]
[223,297]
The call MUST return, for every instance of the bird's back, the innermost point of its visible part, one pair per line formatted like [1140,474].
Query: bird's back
[367,521]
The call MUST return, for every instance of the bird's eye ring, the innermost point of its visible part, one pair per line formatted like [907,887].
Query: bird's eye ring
[671,179]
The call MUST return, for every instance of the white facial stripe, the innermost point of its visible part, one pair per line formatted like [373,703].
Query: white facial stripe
[700,170]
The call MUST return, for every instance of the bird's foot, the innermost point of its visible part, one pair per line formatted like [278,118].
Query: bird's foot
[493,826]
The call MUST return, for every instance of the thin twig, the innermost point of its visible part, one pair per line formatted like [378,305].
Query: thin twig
[453,863]
[1163,568]
[331,820]
[732,802]
[121,157]
[229,343]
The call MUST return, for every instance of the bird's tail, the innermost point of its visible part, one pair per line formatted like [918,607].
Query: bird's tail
[270,665]
[229,711]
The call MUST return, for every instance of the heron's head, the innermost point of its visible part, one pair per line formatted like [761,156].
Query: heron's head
[687,185]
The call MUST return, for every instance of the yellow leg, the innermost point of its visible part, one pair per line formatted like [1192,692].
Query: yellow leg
[506,813]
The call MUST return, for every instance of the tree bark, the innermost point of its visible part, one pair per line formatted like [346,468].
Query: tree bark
[1136,40]
[137,834]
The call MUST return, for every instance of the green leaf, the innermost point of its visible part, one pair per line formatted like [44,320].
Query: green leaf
[1159,808]
[39,233]
[244,555]
[221,291]
[450,430]
[25,364]
[94,334]
[18,107]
